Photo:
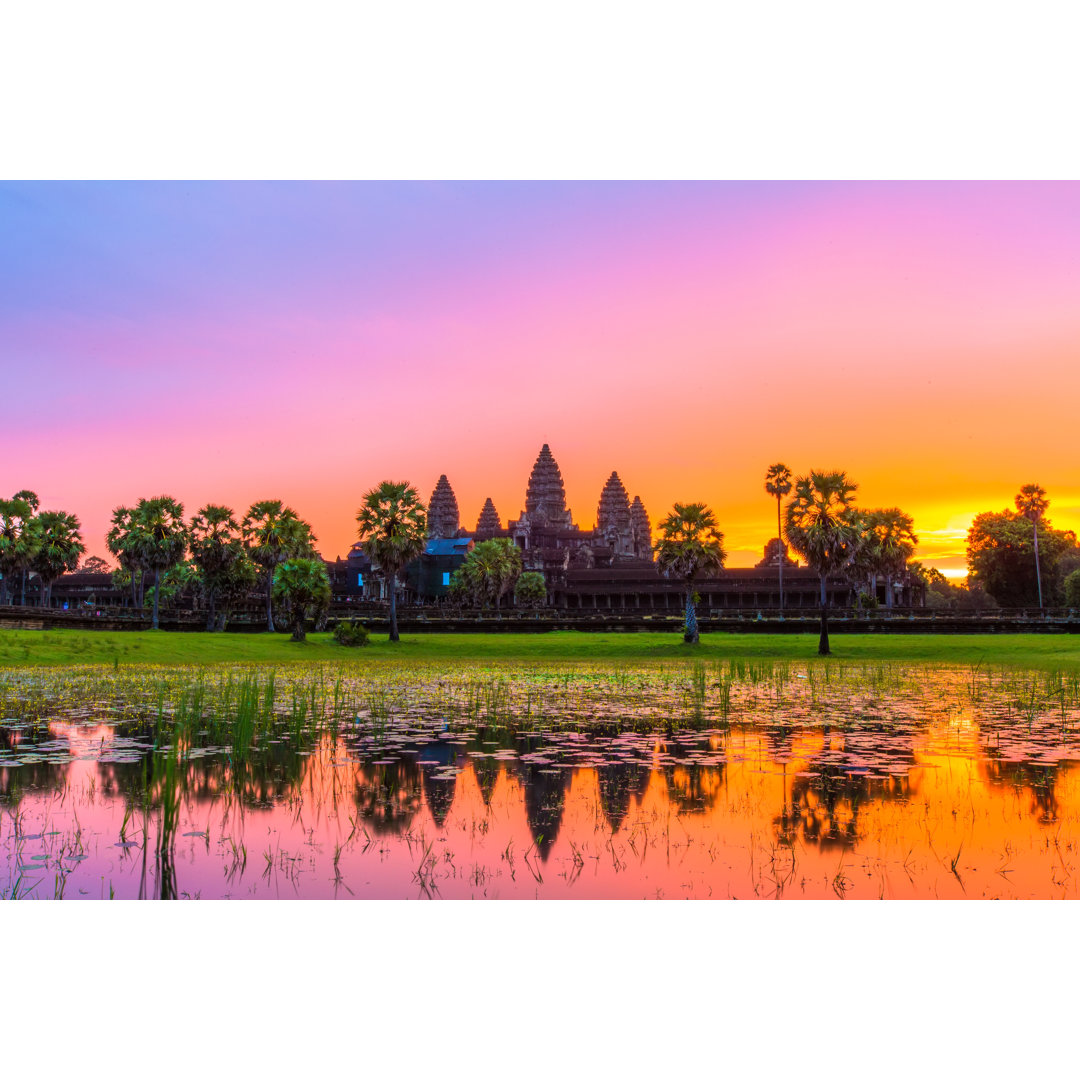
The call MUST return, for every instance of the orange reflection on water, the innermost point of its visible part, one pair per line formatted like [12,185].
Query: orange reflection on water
[748,812]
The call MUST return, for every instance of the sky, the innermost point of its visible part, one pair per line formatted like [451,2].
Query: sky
[229,342]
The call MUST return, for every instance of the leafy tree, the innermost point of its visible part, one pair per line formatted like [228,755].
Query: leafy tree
[184,577]
[778,484]
[1000,555]
[274,533]
[1031,503]
[159,539]
[235,586]
[19,542]
[216,543]
[392,527]
[1072,589]
[690,544]
[490,571]
[530,590]
[302,590]
[823,527]
[60,548]
[94,565]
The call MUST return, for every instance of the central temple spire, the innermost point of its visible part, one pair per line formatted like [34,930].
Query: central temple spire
[545,497]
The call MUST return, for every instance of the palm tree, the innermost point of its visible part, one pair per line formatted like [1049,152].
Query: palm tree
[491,570]
[19,540]
[823,527]
[160,539]
[778,483]
[392,527]
[215,545]
[302,588]
[690,544]
[121,542]
[891,541]
[1032,503]
[61,546]
[32,501]
[273,534]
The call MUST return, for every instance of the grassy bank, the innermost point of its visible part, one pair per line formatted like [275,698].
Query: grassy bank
[21,648]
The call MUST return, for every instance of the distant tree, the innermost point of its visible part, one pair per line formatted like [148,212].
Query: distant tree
[1072,589]
[1000,556]
[690,544]
[1031,503]
[530,590]
[60,548]
[216,543]
[490,571]
[823,527]
[19,542]
[160,540]
[302,590]
[236,585]
[94,565]
[392,525]
[778,484]
[274,533]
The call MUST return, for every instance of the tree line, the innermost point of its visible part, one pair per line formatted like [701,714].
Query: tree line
[1015,557]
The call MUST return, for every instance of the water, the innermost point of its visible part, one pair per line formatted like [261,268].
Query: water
[649,783]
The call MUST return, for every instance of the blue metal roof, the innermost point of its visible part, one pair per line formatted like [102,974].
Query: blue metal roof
[458,545]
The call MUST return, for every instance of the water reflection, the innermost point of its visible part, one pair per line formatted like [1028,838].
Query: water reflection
[945,807]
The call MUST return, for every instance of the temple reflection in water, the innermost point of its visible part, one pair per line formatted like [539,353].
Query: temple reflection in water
[746,811]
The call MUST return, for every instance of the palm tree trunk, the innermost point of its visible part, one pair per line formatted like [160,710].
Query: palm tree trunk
[22,601]
[157,584]
[210,616]
[780,559]
[691,636]
[393,607]
[1038,576]
[270,599]
[889,598]
[823,641]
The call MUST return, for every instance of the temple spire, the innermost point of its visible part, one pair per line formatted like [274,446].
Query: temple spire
[545,497]
[489,523]
[640,530]
[613,516]
[443,518]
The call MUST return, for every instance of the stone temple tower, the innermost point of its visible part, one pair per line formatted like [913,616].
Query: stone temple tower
[545,497]
[489,523]
[443,518]
[613,522]
[640,530]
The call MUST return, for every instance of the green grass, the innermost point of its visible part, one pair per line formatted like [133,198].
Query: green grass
[22,648]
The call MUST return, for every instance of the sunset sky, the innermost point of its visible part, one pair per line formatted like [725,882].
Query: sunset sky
[232,342]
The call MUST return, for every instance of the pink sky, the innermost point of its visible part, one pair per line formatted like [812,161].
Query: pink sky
[232,342]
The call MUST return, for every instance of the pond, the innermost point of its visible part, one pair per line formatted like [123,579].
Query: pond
[733,780]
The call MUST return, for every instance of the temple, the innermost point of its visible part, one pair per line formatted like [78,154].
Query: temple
[604,569]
